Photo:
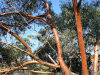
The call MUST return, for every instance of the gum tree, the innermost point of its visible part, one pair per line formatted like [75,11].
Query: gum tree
[48,20]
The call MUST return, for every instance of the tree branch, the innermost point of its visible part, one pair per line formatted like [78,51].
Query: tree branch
[60,57]
[51,59]
[28,48]
[25,68]
[13,46]
[27,16]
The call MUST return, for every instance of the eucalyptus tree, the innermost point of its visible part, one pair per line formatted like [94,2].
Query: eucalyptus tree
[66,26]
[15,19]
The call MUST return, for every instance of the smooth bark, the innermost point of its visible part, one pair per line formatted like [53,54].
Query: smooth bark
[80,35]
[96,55]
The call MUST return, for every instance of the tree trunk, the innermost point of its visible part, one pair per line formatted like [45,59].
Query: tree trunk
[80,35]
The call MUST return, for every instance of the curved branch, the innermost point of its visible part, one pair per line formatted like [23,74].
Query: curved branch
[60,57]
[14,68]
[20,67]
[27,16]
[48,12]
[13,46]
[25,68]
[28,48]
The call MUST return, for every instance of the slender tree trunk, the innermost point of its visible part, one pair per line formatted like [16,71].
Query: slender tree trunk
[80,35]
[96,56]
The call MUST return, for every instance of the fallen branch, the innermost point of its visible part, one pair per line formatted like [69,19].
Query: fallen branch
[51,59]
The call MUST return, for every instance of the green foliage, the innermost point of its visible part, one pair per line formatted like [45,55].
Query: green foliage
[7,56]
[21,55]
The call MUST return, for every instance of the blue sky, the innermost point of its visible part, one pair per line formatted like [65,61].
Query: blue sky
[55,5]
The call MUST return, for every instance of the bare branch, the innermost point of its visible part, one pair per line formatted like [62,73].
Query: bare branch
[27,16]
[14,68]
[25,68]
[13,46]
[47,6]
[51,59]
[39,50]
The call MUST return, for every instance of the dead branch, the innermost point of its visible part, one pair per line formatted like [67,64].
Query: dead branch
[51,59]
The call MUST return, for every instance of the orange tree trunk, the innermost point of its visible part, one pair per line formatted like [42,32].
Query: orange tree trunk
[80,35]
[96,55]
[96,58]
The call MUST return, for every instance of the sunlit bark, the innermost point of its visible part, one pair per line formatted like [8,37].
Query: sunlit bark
[80,35]
[60,57]
[96,55]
